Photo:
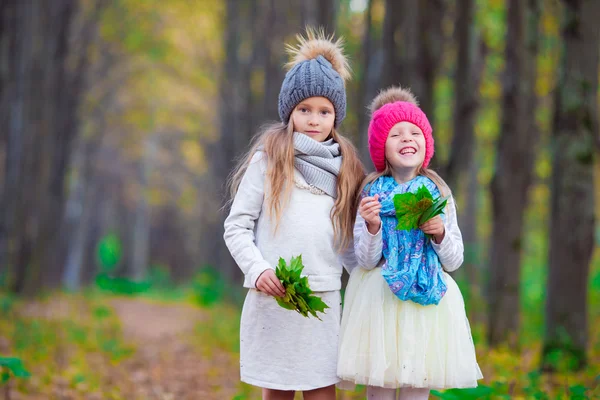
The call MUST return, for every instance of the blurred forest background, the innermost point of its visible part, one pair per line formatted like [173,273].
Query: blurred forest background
[121,119]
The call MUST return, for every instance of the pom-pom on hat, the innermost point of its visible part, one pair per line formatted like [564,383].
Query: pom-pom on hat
[391,106]
[318,67]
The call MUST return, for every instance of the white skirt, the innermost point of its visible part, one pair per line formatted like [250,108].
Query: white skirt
[280,349]
[391,343]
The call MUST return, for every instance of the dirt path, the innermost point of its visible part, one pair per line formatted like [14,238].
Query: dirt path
[167,365]
[145,321]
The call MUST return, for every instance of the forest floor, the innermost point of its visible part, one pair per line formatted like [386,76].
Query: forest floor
[134,349]
[100,346]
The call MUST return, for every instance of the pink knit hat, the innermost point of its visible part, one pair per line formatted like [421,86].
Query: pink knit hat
[390,107]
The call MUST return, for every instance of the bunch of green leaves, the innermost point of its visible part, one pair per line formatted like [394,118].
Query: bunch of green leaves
[12,366]
[414,209]
[298,295]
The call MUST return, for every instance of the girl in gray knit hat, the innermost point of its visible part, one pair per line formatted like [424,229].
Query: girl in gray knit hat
[295,194]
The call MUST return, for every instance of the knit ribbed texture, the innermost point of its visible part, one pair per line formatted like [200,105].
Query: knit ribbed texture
[312,78]
[383,121]
[318,162]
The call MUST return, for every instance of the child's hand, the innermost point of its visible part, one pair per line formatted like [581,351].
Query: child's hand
[369,208]
[435,227]
[267,282]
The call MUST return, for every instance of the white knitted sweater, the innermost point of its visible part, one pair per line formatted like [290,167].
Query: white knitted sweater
[305,229]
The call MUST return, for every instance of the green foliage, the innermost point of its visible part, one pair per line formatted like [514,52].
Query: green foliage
[29,334]
[12,366]
[209,286]
[562,354]
[414,209]
[157,280]
[480,392]
[109,252]
[298,295]
[102,312]
[7,301]
[533,389]
[119,285]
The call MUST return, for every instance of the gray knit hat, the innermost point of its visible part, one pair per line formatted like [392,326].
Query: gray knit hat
[318,68]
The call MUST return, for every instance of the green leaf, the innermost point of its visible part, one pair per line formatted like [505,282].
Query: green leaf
[423,193]
[434,210]
[479,392]
[410,206]
[317,304]
[408,219]
[281,269]
[405,202]
[285,304]
[296,263]
[407,222]
[297,291]
[14,365]
[414,209]
[578,391]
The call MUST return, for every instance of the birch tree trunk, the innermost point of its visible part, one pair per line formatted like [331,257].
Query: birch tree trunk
[574,143]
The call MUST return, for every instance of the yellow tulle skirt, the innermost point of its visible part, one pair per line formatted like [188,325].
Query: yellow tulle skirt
[391,343]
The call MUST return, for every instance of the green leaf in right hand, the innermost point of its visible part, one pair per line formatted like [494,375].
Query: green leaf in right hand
[414,209]
[409,208]
[434,210]
[298,295]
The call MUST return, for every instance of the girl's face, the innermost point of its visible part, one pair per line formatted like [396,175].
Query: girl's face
[405,147]
[314,117]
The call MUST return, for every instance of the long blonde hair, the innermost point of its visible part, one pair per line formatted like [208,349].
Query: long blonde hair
[276,140]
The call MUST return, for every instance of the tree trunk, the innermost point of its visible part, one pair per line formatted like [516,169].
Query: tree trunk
[41,88]
[469,69]
[572,218]
[238,103]
[82,204]
[235,128]
[430,39]
[462,163]
[141,229]
[320,14]
[220,152]
[399,43]
[366,85]
[74,266]
[514,171]
[467,216]
[40,133]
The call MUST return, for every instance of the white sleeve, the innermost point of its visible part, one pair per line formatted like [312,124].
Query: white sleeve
[367,247]
[451,249]
[239,225]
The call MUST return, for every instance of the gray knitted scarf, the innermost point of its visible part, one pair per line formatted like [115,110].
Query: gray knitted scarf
[318,162]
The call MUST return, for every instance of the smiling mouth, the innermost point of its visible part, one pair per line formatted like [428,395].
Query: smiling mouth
[408,151]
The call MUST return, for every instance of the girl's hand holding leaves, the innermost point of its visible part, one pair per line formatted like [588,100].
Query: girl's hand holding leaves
[435,228]
[415,209]
[298,295]
[267,282]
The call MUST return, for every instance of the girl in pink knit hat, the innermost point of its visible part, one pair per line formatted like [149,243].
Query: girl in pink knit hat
[404,324]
